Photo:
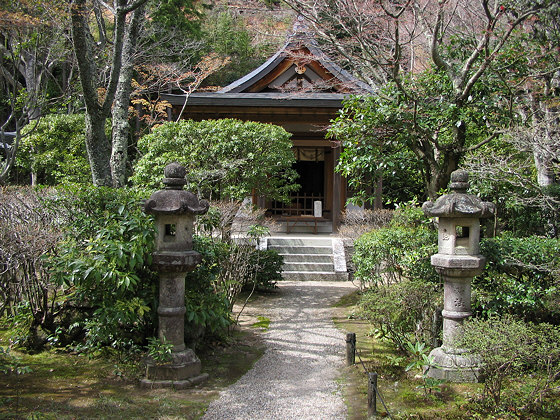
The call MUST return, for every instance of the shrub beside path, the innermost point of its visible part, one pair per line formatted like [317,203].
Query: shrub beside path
[295,378]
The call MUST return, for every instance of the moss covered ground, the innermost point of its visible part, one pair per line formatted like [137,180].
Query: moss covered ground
[402,391]
[71,386]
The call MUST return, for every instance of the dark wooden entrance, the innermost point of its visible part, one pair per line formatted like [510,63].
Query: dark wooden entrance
[310,166]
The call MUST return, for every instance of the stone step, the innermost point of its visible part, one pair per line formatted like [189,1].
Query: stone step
[298,250]
[314,276]
[322,227]
[307,267]
[307,258]
[300,242]
[310,229]
[310,258]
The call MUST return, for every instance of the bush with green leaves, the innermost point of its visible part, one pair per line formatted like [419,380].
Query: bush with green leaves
[224,158]
[404,289]
[212,288]
[93,288]
[87,283]
[520,364]
[208,304]
[522,277]
[55,150]
[401,250]
[207,312]
[265,271]
[104,260]
[403,312]
[160,351]
[371,151]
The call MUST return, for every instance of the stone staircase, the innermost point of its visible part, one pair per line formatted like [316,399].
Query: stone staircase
[310,257]
[303,228]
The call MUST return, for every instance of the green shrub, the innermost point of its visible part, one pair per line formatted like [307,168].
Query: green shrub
[207,308]
[212,288]
[108,244]
[90,251]
[99,292]
[403,312]
[521,278]
[224,158]
[389,255]
[405,290]
[104,259]
[511,350]
[55,150]
[265,271]
[409,214]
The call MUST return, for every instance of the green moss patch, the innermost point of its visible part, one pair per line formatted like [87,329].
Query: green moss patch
[402,391]
[263,323]
[70,386]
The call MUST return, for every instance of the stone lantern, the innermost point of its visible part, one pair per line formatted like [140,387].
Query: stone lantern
[174,210]
[458,260]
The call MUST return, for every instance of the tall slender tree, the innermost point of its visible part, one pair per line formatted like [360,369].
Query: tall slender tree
[107,58]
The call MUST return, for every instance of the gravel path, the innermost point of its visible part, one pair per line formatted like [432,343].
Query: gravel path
[295,378]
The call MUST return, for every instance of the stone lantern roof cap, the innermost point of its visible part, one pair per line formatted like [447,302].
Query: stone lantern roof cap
[459,203]
[173,199]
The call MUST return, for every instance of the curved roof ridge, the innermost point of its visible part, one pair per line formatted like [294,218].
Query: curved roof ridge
[300,37]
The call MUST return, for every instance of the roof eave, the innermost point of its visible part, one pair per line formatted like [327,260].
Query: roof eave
[272,100]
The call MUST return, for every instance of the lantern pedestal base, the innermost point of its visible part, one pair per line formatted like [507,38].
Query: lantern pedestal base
[187,383]
[182,371]
[454,367]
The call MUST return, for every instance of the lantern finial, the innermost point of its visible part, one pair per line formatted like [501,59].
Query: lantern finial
[174,176]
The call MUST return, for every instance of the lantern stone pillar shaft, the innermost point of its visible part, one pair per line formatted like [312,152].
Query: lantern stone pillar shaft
[174,210]
[171,310]
[458,260]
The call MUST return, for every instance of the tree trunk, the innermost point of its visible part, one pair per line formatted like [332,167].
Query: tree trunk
[438,170]
[121,125]
[545,172]
[98,149]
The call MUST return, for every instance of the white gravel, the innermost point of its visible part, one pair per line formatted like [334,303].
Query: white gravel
[295,378]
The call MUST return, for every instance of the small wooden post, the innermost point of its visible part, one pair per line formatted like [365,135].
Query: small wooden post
[372,394]
[350,349]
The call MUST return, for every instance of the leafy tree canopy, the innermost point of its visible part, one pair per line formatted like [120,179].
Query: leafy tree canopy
[387,134]
[55,150]
[224,158]
[227,35]
[181,15]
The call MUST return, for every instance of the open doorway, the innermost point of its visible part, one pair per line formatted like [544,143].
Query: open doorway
[310,166]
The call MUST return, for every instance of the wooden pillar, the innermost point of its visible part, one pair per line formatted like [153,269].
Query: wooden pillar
[329,171]
[337,186]
[170,109]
